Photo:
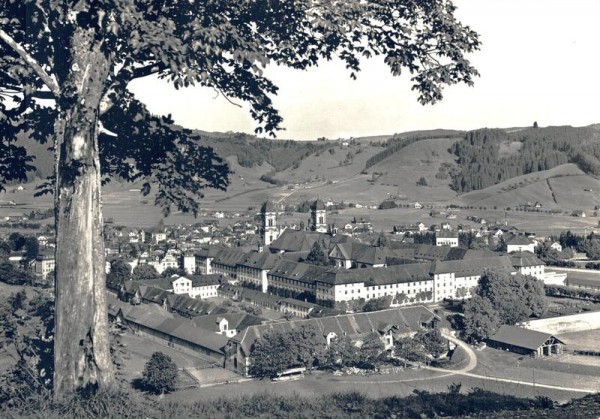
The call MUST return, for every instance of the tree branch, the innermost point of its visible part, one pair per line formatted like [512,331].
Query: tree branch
[32,62]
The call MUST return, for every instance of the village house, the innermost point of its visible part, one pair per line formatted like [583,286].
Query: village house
[519,244]
[205,286]
[446,238]
[43,265]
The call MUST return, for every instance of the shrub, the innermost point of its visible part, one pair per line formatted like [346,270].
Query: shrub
[160,374]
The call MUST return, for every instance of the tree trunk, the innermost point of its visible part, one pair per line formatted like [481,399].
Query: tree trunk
[81,342]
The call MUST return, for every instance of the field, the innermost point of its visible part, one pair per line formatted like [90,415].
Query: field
[401,384]
[338,173]
[563,187]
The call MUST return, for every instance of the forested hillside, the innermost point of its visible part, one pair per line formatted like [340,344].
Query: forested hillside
[252,151]
[483,160]
[398,141]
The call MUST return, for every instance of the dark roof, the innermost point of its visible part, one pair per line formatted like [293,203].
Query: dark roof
[446,234]
[155,295]
[404,319]
[414,272]
[191,307]
[297,303]
[238,321]
[229,257]
[521,337]
[519,241]
[458,253]
[268,206]
[162,283]
[471,267]
[208,252]
[262,260]
[317,205]
[205,280]
[297,241]
[297,271]
[524,259]
[177,327]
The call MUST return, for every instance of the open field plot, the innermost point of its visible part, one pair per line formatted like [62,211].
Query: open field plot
[562,187]
[138,350]
[503,364]
[401,384]
[588,340]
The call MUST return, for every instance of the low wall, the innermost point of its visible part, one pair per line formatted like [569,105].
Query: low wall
[566,324]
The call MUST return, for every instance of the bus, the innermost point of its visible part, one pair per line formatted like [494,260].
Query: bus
[291,374]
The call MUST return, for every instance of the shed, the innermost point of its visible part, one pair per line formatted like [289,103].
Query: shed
[526,342]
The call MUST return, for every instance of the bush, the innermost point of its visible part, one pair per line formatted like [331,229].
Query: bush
[387,204]
[422,181]
[160,374]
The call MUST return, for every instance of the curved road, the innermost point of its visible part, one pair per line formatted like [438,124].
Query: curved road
[473,363]
[469,367]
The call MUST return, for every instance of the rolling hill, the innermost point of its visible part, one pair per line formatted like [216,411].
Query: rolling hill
[337,170]
[562,187]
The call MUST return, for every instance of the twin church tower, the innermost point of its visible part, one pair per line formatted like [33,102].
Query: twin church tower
[270,231]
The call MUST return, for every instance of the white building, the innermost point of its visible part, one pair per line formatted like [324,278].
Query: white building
[520,244]
[446,238]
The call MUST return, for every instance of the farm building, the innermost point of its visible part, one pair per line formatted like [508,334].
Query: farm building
[390,324]
[526,342]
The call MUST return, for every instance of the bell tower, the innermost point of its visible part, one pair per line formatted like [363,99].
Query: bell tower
[269,230]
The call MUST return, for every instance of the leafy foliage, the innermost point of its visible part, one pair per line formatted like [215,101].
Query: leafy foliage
[212,44]
[376,304]
[82,57]
[15,276]
[144,271]
[277,351]
[451,403]
[481,163]
[26,327]
[317,255]
[398,142]
[502,298]
[119,272]
[160,373]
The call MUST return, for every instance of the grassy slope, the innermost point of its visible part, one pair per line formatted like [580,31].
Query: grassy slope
[561,187]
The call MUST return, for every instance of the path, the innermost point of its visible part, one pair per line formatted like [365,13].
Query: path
[473,363]
[472,356]
[470,353]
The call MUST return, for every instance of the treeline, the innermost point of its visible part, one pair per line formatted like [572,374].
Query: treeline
[582,294]
[481,163]
[252,151]
[399,141]
[590,244]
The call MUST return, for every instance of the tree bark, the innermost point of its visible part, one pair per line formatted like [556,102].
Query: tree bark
[81,342]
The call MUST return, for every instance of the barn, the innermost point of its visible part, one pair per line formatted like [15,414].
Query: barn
[526,342]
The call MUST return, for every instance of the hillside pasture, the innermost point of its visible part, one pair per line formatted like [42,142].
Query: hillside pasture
[562,187]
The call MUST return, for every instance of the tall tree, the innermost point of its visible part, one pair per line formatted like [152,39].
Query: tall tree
[317,255]
[82,56]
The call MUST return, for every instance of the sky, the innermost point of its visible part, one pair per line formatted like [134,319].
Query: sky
[538,61]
